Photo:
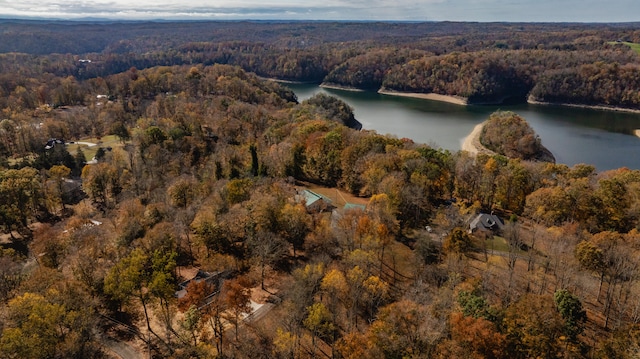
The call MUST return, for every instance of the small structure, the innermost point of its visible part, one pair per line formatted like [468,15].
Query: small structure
[485,222]
[361,207]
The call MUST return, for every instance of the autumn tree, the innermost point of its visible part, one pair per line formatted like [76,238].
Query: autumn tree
[457,242]
[182,192]
[294,224]
[20,198]
[534,327]
[318,321]
[268,249]
[103,183]
[403,328]
[475,338]
[237,300]
[44,327]
[58,174]
[143,277]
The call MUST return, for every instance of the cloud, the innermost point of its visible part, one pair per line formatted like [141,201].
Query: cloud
[463,10]
[145,9]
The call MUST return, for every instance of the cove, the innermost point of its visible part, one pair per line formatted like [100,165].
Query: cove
[605,139]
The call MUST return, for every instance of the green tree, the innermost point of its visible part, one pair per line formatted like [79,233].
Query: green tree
[192,323]
[20,196]
[36,333]
[214,237]
[126,278]
[120,129]
[570,308]
[143,277]
[253,149]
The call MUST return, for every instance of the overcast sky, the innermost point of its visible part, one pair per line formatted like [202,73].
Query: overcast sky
[421,10]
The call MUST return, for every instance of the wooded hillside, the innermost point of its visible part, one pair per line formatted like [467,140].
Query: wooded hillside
[116,188]
[484,63]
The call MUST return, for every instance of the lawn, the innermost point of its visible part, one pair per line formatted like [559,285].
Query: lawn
[635,47]
[90,151]
[498,244]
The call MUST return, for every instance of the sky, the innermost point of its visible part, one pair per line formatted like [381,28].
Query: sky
[408,10]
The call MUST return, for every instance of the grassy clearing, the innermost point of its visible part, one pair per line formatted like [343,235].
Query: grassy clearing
[499,244]
[635,47]
[90,151]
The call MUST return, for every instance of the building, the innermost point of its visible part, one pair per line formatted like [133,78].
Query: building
[486,222]
[313,201]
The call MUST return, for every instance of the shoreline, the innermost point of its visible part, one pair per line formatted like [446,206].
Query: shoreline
[341,88]
[587,107]
[456,100]
[473,146]
[471,143]
[286,81]
[452,99]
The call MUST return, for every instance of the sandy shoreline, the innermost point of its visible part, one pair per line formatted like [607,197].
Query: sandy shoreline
[456,100]
[341,88]
[472,144]
[286,81]
[589,107]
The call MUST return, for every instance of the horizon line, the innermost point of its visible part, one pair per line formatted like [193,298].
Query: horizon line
[89,19]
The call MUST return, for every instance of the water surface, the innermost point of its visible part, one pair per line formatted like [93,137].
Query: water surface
[602,138]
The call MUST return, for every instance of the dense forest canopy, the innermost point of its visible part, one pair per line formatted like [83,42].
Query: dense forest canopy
[510,135]
[137,156]
[482,62]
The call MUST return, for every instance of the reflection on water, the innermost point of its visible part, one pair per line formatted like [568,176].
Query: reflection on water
[606,139]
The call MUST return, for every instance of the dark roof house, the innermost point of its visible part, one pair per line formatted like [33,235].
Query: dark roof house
[486,222]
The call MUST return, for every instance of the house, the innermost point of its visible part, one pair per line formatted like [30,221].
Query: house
[486,222]
[313,201]
[52,142]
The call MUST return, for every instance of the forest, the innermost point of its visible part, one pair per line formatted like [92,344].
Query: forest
[484,63]
[135,157]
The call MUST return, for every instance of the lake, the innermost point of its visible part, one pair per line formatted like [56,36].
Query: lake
[602,138]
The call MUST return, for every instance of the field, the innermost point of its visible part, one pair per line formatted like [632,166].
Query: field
[633,46]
